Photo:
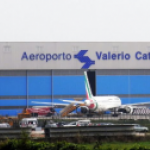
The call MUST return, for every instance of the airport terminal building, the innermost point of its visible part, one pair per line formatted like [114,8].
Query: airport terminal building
[50,71]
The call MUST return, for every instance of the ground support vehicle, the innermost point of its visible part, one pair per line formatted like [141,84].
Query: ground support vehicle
[40,111]
[29,122]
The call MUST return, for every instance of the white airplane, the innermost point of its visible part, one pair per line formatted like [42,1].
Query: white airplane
[96,104]
[99,104]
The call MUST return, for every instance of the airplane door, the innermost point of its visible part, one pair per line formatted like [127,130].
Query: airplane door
[92,80]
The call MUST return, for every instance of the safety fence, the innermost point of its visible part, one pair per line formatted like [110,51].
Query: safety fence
[105,130]
[14,133]
[103,117]
[118,117]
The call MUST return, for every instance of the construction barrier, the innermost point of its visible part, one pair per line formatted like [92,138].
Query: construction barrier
[104,130]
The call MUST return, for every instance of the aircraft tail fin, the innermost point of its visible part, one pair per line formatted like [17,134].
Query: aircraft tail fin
[87,86]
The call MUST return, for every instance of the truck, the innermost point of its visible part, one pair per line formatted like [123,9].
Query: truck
[36,111]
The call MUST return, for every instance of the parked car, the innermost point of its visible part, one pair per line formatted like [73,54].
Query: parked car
[139,128]
[61,124]
[5,125]
[104,123]
[51,124]
[79,123]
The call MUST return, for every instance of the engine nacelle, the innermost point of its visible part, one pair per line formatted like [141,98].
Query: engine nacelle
[83,109]
[126,109]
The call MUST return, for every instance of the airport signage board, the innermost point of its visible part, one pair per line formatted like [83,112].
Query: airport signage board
[75,55]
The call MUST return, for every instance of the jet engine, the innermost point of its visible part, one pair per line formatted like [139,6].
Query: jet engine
[83,109]
[126,109]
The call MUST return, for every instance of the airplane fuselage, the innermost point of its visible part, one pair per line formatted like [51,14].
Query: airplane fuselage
[102,103]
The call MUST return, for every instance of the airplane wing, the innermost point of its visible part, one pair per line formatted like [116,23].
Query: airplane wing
[74,102]
[142,104]
[137,104]
[49,103]
[128,108]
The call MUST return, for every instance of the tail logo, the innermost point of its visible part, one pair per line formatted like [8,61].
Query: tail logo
[84,59]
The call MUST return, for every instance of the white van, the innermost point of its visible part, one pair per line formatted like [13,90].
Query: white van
[29,122]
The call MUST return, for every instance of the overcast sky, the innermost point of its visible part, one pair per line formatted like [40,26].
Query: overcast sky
[74,20]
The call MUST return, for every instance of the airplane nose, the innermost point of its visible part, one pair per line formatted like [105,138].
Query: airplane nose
[87,102]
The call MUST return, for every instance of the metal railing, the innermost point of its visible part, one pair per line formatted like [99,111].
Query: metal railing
[14,132]
[105,130]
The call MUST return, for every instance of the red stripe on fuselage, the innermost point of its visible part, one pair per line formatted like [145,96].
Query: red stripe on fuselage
[92,105]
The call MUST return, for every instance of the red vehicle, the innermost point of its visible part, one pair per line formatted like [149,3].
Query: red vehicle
[41,111]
